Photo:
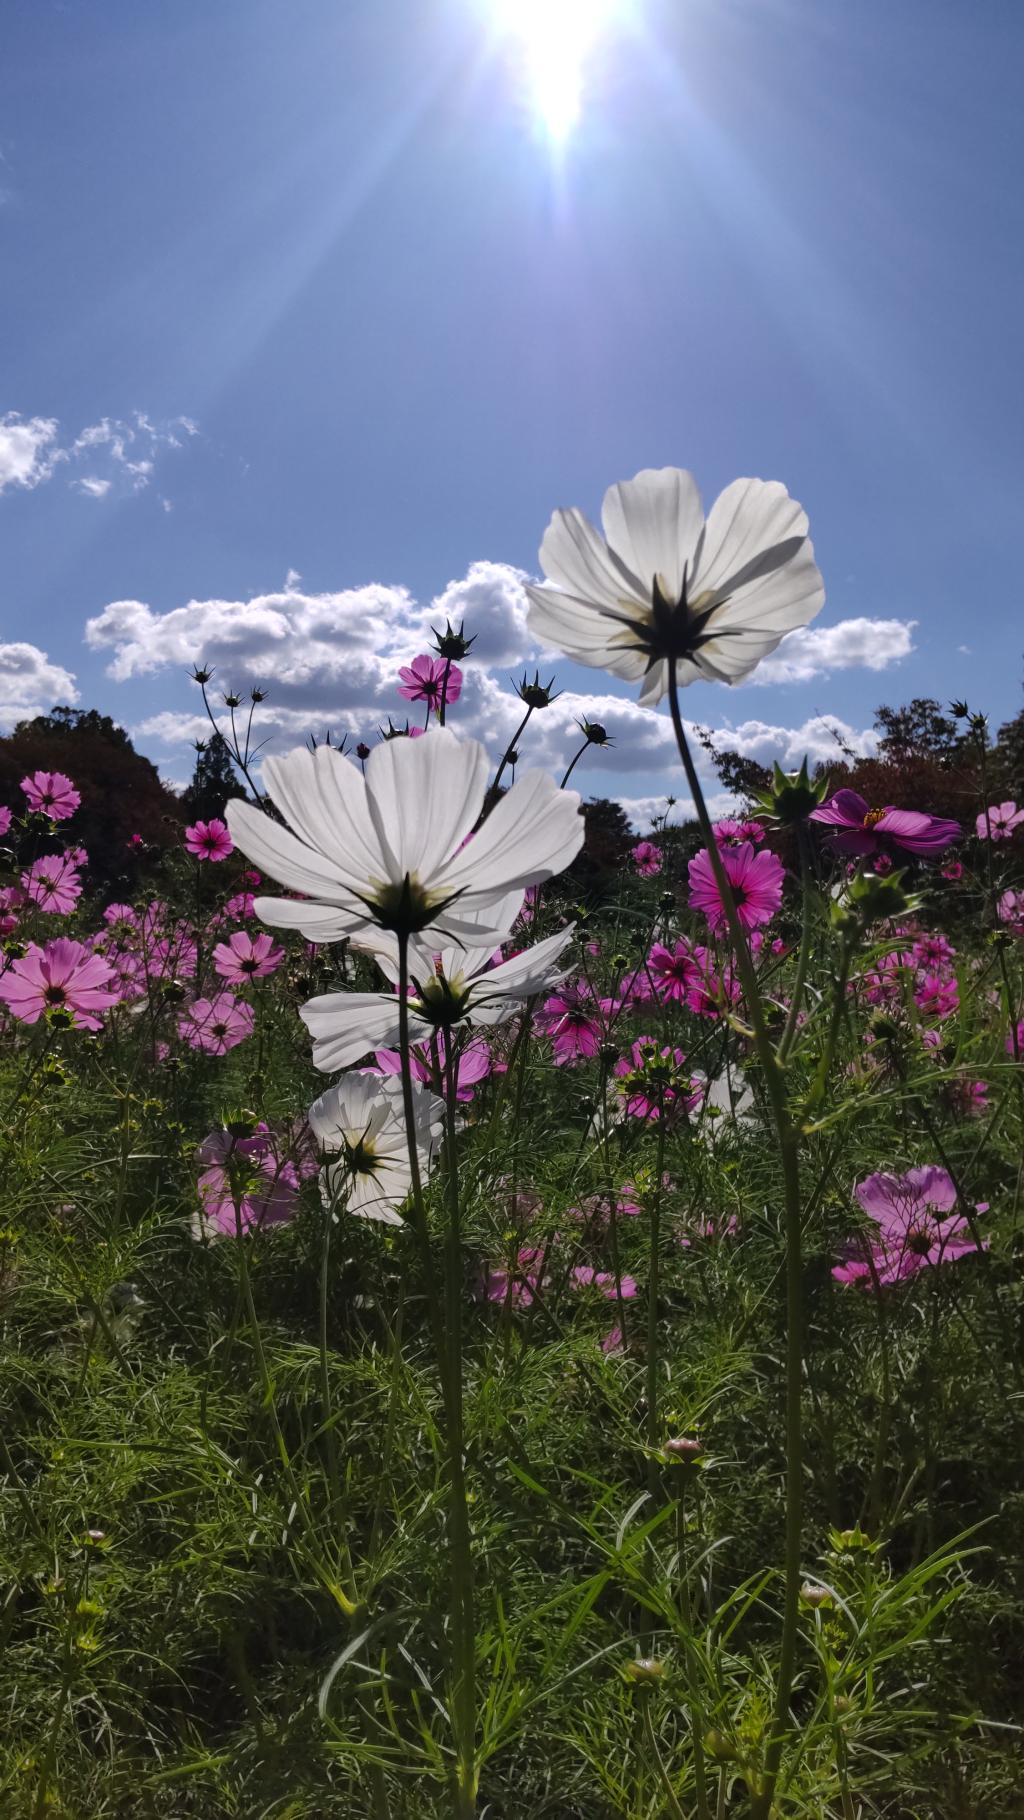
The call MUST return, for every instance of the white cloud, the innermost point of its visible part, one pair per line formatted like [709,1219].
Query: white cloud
[121,453]
[853,644]
[816,738]
[30,684]
[643,811]
[28,450]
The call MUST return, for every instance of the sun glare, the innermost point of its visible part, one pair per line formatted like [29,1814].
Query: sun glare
[554,39]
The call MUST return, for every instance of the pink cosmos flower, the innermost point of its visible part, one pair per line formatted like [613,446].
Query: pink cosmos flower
[121,920]
[646,858]
[932,952]
[423,680]
[595,1210]
[209,840]
[937,996]
[733,834]
[216,1024]
[999,822]
[917,1227]
[711,992]
[953,870]
[240,907]
[474,1065]
[967,1099]
[246,1171]
[64,975]
[582,1276]
[1011,911]
[245,957]
[861,829]
[672,970]
[755,878]
[53,884]
[1014,1044]
[51,793]
[6,819]
[515,1286]
[570,1017]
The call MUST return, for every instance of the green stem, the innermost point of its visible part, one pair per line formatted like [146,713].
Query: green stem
[686,1614]
[786,1041]
[789,1151]
[463,1623]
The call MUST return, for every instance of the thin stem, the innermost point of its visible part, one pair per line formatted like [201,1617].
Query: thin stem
[513,746]
[792,1021]
[574,763]
[672,1806]
[461,1562]
[789,1150]
[686,1614]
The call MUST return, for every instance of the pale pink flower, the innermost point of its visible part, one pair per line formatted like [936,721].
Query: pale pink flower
[1011,911]
[243,1185]
[473,1066]
[583,1276]
[240,907]
[917,1227]
[245,957]
[53,883]
[121,920]
[51,793]
[216,1024]
[734,834]
[999,822]
[755,878]
[209,840]
[62,976]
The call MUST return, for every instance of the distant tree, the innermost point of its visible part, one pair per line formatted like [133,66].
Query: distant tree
[121,791]
[214,781]
[1007,762]
[919,730]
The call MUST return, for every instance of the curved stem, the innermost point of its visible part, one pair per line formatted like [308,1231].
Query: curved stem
[574,763]
[509,749]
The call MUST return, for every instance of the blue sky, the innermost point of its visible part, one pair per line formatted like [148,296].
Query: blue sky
[376,327]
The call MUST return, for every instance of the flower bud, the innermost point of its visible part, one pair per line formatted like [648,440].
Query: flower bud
[537,694]
[814,1595]
[452,644]
[684,1450]
[718,1746]
[645,1671]
[791,797]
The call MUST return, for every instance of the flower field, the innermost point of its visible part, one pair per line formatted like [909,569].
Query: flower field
[492,1332]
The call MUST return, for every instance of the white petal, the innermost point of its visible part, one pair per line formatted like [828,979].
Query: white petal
[317,922]
[345,1026]
[589,636]
[425,797]
[653,524]
[525,974]
[322,797]
[574,555]
[753,528]
[286,858]
[530,835]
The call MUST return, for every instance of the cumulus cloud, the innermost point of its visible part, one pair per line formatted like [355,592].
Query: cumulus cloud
[854,644]
[822,738]
[30,684]
[29,450]
[119,455]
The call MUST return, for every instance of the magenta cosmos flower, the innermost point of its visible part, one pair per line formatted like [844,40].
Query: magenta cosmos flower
[5,819]
[51,793]
[756,880]
[473,1064]
[917,1227]
[216,1024]
[646,858]
[243,1184]
[733,834]
[672,970]
[859,829]
[652,1080]
[64,976]
[1011,911]
[246,957]
[572,1018]
[209,840]
[999,822]
[53,883]
[424,680]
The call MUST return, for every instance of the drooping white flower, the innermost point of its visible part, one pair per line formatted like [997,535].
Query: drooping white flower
[451,989]
[717,594]
[393,849]
[362,1117]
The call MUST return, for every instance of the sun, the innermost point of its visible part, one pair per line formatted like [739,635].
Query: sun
[554,38]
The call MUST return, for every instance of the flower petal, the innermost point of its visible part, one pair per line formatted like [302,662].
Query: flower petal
[653,525]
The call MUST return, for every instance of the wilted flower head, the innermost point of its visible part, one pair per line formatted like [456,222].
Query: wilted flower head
[393,849]
[716,595]
[51,793]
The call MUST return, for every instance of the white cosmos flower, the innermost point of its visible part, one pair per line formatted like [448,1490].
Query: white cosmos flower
[455,987]
[717,594]
[391,850]
[362,1117]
